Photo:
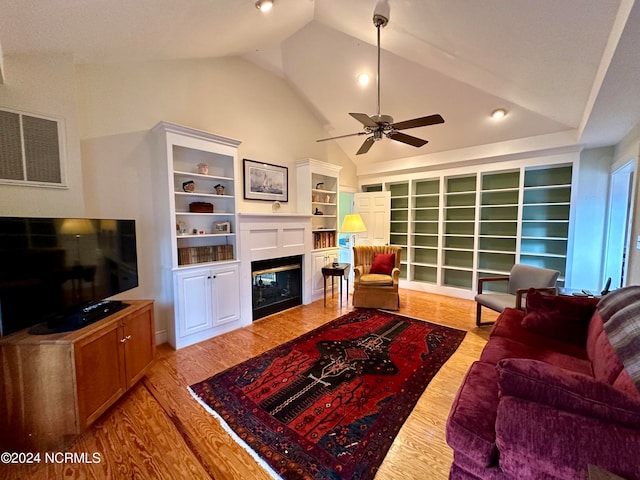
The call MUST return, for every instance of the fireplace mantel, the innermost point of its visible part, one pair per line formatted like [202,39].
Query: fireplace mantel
[265,236]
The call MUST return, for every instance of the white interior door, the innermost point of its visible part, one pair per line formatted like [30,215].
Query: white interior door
[375,210]
[618,232]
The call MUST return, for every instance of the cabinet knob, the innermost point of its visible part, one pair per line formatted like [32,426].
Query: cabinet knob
[128,337]
[209,277]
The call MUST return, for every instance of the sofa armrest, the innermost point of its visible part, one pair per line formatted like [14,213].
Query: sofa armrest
[567,391]
[537,441]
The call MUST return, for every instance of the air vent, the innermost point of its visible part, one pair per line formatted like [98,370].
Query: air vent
[30,149]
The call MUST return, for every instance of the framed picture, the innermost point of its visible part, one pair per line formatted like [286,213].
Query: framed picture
[263,181]
[222,227]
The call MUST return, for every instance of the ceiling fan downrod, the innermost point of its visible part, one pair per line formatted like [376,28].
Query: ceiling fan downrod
[380,20]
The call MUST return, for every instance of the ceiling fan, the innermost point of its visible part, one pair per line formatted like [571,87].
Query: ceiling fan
[379,125]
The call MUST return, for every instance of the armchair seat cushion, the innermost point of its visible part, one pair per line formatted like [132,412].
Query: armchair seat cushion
[375,279]
[496,301]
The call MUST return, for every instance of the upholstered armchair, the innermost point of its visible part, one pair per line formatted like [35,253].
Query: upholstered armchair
[376,273]
[519,280]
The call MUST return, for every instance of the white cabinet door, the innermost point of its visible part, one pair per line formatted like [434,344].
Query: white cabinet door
[193,303]
[319,260]
[225,282]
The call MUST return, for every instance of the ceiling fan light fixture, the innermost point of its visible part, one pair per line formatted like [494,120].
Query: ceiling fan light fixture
[264,5]
[498,113]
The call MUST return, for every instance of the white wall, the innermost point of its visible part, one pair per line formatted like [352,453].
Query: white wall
[629,150]
[46,86]
[590,199]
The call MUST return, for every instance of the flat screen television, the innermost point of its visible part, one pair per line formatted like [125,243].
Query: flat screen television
[57,274]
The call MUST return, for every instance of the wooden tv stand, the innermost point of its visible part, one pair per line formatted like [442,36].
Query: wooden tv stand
[54,386]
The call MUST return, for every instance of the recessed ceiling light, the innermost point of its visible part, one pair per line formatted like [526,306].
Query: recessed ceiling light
[264,5]
[363,79]
[498,113]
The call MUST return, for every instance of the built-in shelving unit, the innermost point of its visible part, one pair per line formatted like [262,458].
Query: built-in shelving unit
[318,194]
[545,217]
[459,231]
[454,229]
[399,234]
[317,191]
[498,224]
[203,237]
[425,245]
[197,236]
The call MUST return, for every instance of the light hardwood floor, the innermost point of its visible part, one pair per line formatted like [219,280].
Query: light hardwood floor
[158,431]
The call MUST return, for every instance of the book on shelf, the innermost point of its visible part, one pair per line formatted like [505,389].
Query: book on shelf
[324,239]
[206,254]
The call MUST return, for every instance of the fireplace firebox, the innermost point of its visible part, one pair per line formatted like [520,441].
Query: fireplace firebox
[276,285]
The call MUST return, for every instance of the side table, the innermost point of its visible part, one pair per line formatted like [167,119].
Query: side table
[336,270]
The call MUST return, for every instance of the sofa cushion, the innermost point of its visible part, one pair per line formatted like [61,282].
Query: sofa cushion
[383,263]
[539,442]
[509,325]
[559,316]
[567,391]
[471,423]
[499,348]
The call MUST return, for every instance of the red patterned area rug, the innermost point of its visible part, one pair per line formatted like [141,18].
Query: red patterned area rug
[328,404]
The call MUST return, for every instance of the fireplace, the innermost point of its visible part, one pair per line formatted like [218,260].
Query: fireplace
[276,285]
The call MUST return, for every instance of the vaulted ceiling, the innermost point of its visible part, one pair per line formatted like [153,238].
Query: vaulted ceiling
[561,68]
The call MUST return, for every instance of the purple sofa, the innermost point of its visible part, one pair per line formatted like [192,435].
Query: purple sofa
[550,395]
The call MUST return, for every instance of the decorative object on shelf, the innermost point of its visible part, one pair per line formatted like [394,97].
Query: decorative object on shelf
[276,206]
[353,224]
[181,228]
[263,181]
[318,212]
[219,189]
[222,227]
[203,168]
[327,198]
[320,186]
[189,186]
[201,207]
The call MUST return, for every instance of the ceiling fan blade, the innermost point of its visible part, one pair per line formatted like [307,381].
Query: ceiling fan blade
[364,119]
[408,139]
[418,122]
[341,136]
[364,148]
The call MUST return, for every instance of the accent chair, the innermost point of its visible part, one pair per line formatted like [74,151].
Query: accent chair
[519,280]
[376,273]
